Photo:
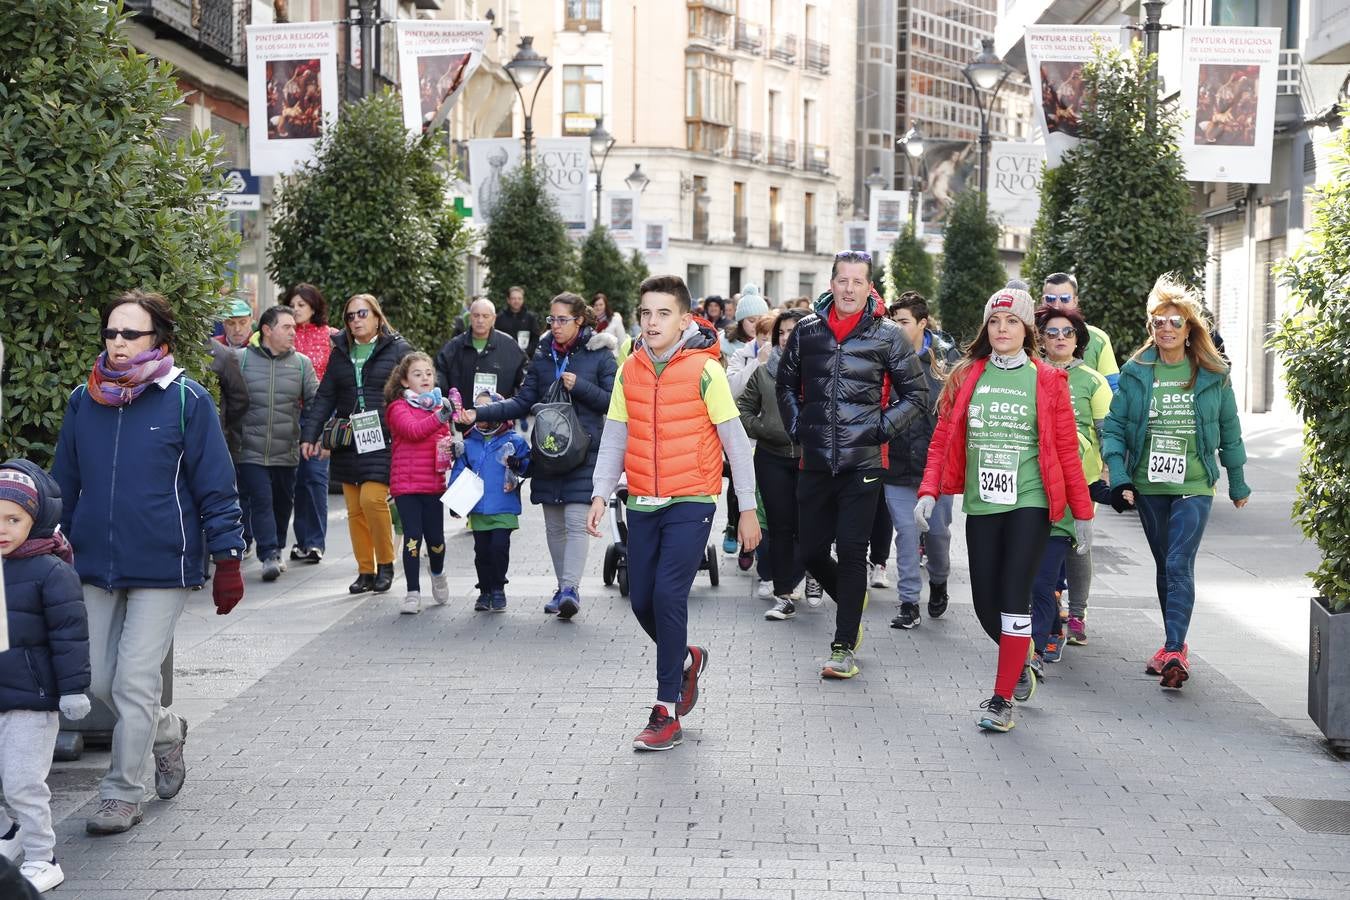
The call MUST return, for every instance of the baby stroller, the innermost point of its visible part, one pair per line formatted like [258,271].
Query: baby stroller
[616,554]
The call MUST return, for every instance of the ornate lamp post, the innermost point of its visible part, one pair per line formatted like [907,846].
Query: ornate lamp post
[527,67]
[986,72]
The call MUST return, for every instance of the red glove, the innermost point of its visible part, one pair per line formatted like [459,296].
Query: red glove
[227,586]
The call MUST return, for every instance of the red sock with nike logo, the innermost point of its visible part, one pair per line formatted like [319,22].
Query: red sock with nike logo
[1013,645]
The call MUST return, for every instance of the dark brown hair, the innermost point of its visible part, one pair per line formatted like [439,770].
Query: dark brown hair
[787,315]
[161,313]
[314,297]
[675,286]
[393,388]
[575,306]
[1047,312]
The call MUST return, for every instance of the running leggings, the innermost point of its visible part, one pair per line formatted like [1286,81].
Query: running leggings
[1005,554]
[423,517]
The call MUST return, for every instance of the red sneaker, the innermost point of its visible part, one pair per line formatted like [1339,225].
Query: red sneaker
[1175,671]
[662,731]
[1155,665]
[689,689]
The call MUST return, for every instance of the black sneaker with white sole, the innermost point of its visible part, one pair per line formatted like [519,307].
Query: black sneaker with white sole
[783,608]
[937,599]
[908,617]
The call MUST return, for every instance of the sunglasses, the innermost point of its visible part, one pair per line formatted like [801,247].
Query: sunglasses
[358,314]
[1174,321]
[852,256]
[1066,331]
[561,320]
[126,334]
[1057,298]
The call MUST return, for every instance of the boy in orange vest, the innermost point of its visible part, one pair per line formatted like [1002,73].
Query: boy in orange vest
[670,418]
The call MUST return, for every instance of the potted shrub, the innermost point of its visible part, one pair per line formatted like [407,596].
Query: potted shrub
[1314,342]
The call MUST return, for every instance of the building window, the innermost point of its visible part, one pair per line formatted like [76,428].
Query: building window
[581,15]
[696,278]
[773,279]
[709,101]
[583,98]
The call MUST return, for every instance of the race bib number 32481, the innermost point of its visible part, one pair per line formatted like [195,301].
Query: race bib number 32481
[998,477]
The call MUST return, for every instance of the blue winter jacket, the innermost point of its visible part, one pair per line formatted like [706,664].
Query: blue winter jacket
[482,455]
[48,655]
[592,359]
[148,488]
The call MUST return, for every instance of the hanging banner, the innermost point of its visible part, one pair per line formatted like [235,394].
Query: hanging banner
[489,161]
[888,213]
[656,240]
[292,93]
[1055,57]
[565,163]
[621,216]
[1015,182]
[1228,80]
[435,61]
[855,236]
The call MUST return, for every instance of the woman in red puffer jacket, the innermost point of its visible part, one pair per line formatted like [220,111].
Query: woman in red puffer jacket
[313,338]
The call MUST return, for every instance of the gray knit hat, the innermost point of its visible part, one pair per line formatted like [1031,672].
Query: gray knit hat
[1015,301]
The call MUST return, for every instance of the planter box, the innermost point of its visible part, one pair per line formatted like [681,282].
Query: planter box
[1329,673]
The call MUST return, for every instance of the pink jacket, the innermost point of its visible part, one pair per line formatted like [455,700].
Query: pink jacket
[412,469]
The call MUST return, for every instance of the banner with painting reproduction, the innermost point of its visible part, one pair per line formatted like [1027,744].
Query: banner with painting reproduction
[1055,58]
[435,61]
[292,93]
[1228,97]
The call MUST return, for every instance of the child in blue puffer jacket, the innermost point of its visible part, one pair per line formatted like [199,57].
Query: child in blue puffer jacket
[46,667]
[501,457]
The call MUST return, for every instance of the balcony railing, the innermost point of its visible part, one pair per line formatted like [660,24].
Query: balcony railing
[222,28]
[776,235]
[809,239]
[710,30]
[817,56]
[816,158]
[749,37]
[740,229]
[782,153]
[785,48]
[746,145]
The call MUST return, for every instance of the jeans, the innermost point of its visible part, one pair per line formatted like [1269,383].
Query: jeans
[838,509]
[665,547]
[1005,554]
[369,524]
[901,499]
[1174,526]
[1044,606]
[777,480]
[130,632]
[271,494]
[568,541]
[311,504]
[423,517]
[27,739]
[492,558]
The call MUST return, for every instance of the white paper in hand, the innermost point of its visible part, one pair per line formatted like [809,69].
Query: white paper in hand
[463,493]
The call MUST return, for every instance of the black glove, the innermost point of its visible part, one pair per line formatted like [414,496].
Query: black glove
[1099,491]
[1118,501]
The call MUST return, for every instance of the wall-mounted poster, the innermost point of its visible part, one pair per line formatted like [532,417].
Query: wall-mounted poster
[622,216]
[1228,94]
[888,212]
[855,236]
[489,161]
[292,93]
[566,163]
[435,61]
[656,238]
[1055,57]
[1015,182]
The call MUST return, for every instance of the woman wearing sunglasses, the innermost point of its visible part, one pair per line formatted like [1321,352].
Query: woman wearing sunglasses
[581,359]
[147,490]
[364,353]
[1173,412]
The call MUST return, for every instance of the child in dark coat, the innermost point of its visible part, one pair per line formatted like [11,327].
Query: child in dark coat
[46,667]
[501,457]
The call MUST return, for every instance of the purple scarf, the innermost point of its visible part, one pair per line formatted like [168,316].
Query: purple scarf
[56,545]
[117,387]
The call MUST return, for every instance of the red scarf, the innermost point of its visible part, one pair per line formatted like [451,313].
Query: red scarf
[842,326]
[55,544]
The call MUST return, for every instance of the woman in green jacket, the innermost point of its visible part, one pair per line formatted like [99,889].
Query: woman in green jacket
[1173,412]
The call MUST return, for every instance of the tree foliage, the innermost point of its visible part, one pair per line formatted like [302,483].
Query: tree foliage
[911,268]
[1314,343]
[637,265]
[1048,251]
[94,200]
[971,270]
[527,242]
[604,269]
[370,215]
[1130,218]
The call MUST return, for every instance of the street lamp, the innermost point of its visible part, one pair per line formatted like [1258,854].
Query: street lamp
[527,67]
[637,180]
[986,72]
[913,143]
[601,142]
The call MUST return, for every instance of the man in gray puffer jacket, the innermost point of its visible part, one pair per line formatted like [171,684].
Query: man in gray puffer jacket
[280,381]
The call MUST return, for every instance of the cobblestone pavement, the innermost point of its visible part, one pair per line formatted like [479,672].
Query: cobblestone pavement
[349,752]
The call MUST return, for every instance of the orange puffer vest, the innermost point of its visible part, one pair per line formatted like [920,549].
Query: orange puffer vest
[673,448]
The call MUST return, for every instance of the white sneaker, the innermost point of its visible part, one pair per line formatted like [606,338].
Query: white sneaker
[440,589]
[11,848]
[42,875]
[765,590]
[877,576]
[412,604]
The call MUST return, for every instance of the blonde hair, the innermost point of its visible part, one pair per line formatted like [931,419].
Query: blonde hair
[375,310]
[1170,290]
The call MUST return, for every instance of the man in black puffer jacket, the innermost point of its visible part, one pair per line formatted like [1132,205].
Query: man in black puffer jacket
[847,384]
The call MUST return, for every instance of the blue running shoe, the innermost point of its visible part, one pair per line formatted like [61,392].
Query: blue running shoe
[551,607]
[499,600]
[483,603]
[570,604]
[729,545]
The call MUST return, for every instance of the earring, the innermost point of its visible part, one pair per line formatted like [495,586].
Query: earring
[1188,342]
